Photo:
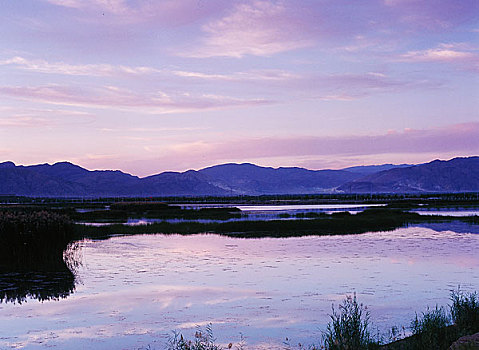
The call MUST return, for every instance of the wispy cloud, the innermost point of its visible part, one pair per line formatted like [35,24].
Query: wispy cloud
[115,6]
[440,15]
[116,98]
[346,86]
[453,138]
[162,13]
[260,28]
[38,118]
[461,54]
[25,122]
[253,75]
[43,66]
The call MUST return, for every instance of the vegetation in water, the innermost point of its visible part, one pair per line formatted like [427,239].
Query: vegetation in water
[203,340]
[431,331]
[29,237]
[370,220]
[465,312]
[122,211]
[437,329]
[349,327]
[37,255]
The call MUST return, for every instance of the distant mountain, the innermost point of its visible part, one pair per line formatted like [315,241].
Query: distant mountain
[252,179]
[66,179]
[371,169]
[455,175]
[69,180]
[181,184]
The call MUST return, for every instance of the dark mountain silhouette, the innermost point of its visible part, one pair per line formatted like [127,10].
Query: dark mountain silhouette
[69,180]
[371,169]
[455,175]
[66,179]
[252,179]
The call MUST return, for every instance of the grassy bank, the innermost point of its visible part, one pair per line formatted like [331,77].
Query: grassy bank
[350,328]
[27,238]
[36,255]
[152,210]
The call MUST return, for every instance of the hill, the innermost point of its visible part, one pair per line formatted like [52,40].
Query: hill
[255,180]
[69,180]
[455,175]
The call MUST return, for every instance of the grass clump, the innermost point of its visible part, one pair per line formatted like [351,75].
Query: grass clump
[204,340]
[465,312]
[349,327]
[431,331]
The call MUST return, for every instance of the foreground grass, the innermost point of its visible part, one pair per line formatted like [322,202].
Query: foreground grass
[350,329]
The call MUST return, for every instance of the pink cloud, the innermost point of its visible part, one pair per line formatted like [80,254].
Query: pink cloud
[116,98]
[260,28]
[408,146]
[460,138]
[43,66]
[162,13]
[38,117]
[252,75]
[347,86]
[460,54]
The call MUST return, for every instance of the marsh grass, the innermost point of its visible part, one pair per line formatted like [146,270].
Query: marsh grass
[465,312]
[431,331]
[154,210]
[203,340]
[29,237]
[334,224]
[349,328]
[37,256]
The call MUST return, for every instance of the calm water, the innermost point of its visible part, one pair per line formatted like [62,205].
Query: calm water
[307,207]
[135,290]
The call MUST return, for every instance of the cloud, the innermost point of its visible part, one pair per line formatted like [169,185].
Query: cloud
[406,146]
[438,15]
[453,138]
[37,117]
[345,87]
[461,54]
[253,75]
[69,69]
[24,122]
[340,87]
[161,13]
[114,6]
[122,99]
[260,28]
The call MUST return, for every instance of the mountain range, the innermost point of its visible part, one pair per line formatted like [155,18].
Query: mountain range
[69,180]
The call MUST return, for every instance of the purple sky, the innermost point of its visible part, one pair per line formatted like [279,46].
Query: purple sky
[152,85]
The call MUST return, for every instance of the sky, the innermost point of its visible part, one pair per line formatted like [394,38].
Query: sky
[147,86]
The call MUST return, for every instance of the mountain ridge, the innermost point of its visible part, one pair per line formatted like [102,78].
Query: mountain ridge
[71,180]
[459,174]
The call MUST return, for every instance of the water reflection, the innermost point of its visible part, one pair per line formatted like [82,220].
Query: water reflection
[137,289]
[17,287]
[453,226]
[42,280]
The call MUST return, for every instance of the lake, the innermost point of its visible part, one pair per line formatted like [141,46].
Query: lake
[135,290]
